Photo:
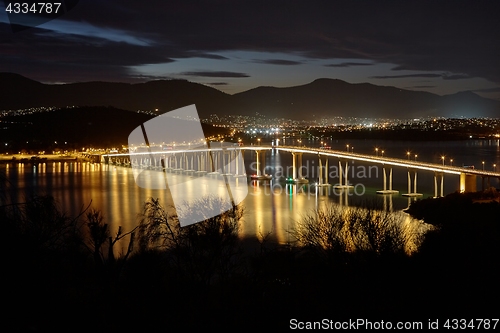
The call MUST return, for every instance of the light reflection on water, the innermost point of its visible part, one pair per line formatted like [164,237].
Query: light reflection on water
[270,207]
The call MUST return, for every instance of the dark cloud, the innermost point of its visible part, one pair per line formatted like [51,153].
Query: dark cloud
[421,87]
[428,75]
[349,64]
[143,77]
[488,90]
[445,76]
[215,74]
[278,62]
[456,76]
[47,56]
[217,83]
[209,56]
[444,36]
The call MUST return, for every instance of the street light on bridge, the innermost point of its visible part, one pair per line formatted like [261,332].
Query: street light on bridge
[382,153]
[347,146]
[416,157]
[376,151]
[408,154]
[494,168]
[442,158]
[451,162]
[483,165]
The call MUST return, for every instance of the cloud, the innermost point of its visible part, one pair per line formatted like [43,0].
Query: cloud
[444,76]
[487,90]
[217,83]
[456,76]
[86,29]
[428,75]
[462,38]
[215,74]
[145,77]
[349,64]
[421,87]
[209,56]
[278,62]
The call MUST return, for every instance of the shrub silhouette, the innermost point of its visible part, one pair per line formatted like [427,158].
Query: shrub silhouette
[202,251]
[338,229]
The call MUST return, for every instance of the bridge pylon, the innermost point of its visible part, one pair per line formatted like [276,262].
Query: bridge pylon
[297,171]
[410,193]
[343,175]
[441,178]
[258,175]
[322,178]
[387,189]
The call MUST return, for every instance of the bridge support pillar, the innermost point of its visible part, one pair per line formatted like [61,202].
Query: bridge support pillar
[192,163]
[387,189]
[212,163]
[201,163]
[441,194]
[468,183]
[225,167]
[414,193]
[323,179]
[297,171]
[259,175]
[342,174]
[237,167]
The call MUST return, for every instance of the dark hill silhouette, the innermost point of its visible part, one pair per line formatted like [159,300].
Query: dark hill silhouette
[321,98]
[18,92]
[464,103]
[74,127]
[327,97]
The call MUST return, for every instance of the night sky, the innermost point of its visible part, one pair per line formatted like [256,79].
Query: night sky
[437,46]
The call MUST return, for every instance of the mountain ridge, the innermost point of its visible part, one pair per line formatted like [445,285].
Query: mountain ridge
[323,97]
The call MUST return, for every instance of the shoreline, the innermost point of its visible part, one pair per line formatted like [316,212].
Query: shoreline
[26,158]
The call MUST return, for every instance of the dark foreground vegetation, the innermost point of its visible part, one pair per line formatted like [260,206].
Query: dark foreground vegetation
[60,275]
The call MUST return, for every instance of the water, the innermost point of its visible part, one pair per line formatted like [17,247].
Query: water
[270,207]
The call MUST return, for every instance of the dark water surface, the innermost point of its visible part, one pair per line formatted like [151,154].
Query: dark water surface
[270,206]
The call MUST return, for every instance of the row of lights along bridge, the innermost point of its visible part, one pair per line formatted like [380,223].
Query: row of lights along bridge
[377,150]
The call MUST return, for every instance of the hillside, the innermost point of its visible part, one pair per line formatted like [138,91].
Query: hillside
[320,98]
[73,128]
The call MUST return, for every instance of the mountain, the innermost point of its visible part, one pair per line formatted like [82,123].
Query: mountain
[338,98]
[320,98]
[70,128]
[18,92]
[465,103]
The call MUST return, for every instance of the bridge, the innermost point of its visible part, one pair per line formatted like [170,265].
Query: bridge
[211,159]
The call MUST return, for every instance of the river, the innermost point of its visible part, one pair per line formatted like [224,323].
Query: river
[270,206]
